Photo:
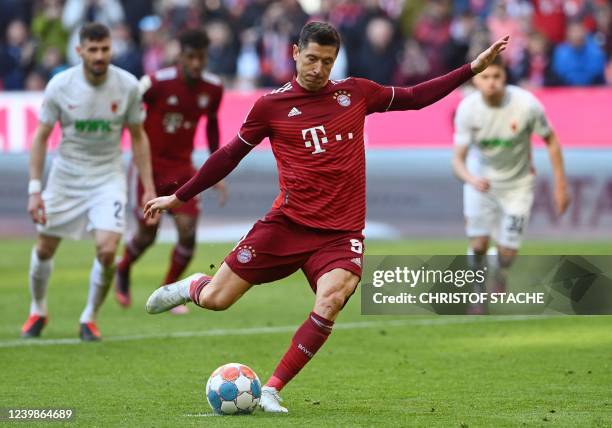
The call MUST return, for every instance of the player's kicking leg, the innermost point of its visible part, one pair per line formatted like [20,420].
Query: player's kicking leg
[134,248]
[183,252]
[100,279]
[217,293]
[41,265]
[333,290]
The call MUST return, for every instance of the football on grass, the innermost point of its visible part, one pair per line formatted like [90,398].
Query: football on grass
[233,389]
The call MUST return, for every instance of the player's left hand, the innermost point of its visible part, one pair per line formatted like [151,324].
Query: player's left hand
[221,190]
[562,199]
[146,197]
[485,58]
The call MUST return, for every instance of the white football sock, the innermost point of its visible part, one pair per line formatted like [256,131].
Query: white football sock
[99,283]
[40,271]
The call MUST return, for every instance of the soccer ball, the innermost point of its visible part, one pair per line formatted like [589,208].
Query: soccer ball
[233,389]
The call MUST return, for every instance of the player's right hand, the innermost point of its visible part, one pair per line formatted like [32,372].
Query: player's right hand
[163,203]
[36,208]
[480,184]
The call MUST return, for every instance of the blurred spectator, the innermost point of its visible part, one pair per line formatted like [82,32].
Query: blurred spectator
[247,66]
[52,62]
[36,80]
[534,68]
[48,29]
[281,24]
[126,54]
[391,41]
[432,31]
[579,60]
[78,12]
[177,15]
[134,11]
[414,65]
[222,50]
[153,44]
[461,29]
[16,56]
[549,19]
[377,57]
[12,10]
[603,26]
[509,18]
[410,14]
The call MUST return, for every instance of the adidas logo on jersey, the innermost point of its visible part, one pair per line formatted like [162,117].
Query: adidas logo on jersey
[294,112]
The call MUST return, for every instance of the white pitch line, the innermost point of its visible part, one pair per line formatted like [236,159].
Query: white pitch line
[200,415]
[16,343]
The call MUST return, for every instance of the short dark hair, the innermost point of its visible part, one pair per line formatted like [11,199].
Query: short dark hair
[194,39]
[93,31]
[499,61]
[321,33]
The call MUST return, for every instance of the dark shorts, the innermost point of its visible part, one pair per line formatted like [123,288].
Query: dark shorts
[167,183]
[275,247]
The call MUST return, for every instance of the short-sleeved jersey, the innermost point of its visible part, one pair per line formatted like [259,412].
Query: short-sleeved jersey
[317,140]
[173,111]
[92,119]
[501,135]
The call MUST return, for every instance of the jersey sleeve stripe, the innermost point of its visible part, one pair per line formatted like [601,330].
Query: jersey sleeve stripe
[245,141]
[392,97]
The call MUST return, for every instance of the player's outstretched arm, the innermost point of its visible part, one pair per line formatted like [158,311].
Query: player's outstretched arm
[431,91]
[561,194]
[215,169]
[36,206]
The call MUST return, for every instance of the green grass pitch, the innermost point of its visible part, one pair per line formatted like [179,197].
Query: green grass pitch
[150,371]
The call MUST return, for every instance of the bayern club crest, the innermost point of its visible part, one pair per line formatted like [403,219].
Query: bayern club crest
[343,98]
[245,254]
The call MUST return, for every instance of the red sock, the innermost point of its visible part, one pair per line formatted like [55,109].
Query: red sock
[181,256]
[195,288]
[130,255]
[305,343]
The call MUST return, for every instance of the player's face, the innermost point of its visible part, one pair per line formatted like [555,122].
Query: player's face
[491,81]
[193,62]
[314,64]
[96,55]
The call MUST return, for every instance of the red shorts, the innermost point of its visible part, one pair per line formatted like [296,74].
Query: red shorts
[167,182]
[275,247]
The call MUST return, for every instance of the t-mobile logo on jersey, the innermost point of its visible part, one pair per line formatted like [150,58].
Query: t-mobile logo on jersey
[314,135]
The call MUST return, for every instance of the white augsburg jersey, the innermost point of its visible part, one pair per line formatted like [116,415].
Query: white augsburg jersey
[501,136]
[92,119]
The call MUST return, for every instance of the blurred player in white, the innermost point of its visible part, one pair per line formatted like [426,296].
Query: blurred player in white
[495,124]
[86,190]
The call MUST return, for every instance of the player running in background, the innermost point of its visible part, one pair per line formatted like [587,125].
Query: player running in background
[316,131]
[86,190]
[495,124]
[176,98]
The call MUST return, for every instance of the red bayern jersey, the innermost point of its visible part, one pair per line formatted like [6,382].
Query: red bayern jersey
[317,140]
[173,111]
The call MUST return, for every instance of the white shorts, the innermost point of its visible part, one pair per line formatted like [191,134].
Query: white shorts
[76,214]
[501,213]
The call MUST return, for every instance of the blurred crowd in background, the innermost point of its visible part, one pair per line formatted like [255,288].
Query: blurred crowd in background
[399,42]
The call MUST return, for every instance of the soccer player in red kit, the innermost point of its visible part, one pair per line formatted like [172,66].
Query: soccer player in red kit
[176,98]
[315,127]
